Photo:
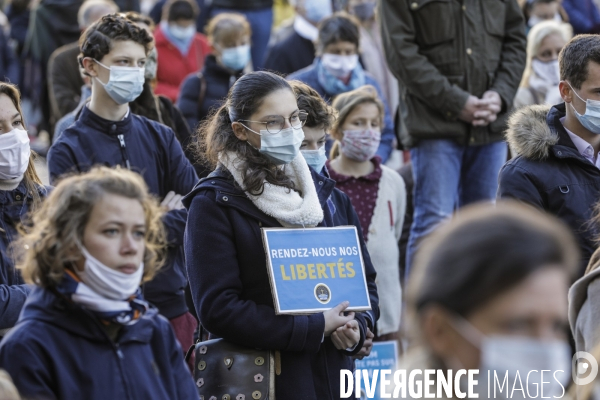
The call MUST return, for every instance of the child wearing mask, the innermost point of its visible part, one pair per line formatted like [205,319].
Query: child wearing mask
[337,70]
[87,332]
[377,193]
[21,191]
[541,76]
[181,50]
[229,37]
[113,54]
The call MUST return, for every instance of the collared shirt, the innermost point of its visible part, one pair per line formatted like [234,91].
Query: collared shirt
[584,148]
[305,29]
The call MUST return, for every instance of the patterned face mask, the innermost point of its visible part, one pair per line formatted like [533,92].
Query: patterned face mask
[360,145]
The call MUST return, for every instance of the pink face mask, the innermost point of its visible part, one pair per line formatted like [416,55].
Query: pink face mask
[360,145]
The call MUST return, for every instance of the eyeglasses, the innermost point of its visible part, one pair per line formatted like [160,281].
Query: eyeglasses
[277,122]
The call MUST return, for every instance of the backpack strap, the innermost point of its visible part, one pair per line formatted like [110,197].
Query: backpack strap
[202,93]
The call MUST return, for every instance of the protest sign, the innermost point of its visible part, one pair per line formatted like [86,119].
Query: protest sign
[312,270]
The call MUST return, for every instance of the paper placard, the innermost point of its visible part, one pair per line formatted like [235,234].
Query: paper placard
[312,270]
[384,355]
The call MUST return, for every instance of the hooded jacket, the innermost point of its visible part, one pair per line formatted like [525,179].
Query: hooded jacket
[230,285]
[59,350]
[14,205]
[154,152]
[550,173]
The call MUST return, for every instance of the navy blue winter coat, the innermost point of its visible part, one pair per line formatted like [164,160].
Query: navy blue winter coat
[152,150]
[309,75]
[59,350]
[218,81]
[14,205]
[550,173]
[230,286]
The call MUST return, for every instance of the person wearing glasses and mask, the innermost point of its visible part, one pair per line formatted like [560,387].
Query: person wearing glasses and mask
[113,55]
[21,191]
[262,180]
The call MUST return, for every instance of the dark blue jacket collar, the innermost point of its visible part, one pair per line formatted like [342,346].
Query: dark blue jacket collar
[564,148]
[113,128]
[49,307]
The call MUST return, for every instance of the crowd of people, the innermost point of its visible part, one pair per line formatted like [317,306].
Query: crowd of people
[460,139]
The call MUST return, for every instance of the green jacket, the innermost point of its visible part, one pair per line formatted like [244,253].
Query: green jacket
[443,50]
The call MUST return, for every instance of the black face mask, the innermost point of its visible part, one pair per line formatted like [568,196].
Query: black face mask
[364,11]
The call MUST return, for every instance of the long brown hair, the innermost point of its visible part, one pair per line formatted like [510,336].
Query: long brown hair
[31,179]
[215,135]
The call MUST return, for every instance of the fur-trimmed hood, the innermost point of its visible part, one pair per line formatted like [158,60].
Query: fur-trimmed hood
[531,131]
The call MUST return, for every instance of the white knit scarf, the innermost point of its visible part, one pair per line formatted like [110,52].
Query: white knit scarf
[287,206]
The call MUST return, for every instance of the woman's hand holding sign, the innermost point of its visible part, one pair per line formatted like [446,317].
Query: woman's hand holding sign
[347,336]
[335,317]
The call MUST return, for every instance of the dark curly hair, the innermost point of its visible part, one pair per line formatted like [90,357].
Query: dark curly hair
[320,114]
[96,41]
[140,19]
[215,135]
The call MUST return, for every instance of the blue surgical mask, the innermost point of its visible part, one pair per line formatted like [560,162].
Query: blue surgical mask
[364,11]
[315,158]
[591,119]
[317,10]
[182,33]
[236,58]
[282,147]
[125,83]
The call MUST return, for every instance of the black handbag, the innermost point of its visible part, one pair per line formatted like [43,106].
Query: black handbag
[227,371]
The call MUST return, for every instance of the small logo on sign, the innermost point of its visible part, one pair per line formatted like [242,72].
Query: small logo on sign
[322,293]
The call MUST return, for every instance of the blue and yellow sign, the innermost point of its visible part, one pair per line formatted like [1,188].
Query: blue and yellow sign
[315,269]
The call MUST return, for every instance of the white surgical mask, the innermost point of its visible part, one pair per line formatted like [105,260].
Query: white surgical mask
[591,119]
[519,355]
[548,71]
[282,147]
[107,282]
[125,83]
[315,158]
[339,66]
[182,33]
[14,154]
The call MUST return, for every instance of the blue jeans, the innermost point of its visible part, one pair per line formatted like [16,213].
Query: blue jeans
[260,21]
[448,176]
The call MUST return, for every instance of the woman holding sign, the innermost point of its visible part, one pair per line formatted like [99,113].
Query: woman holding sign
[262,181]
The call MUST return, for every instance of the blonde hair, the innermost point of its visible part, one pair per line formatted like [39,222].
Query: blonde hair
[345,103]
[227,25]
[52,242]
[31,179]
[536,36]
